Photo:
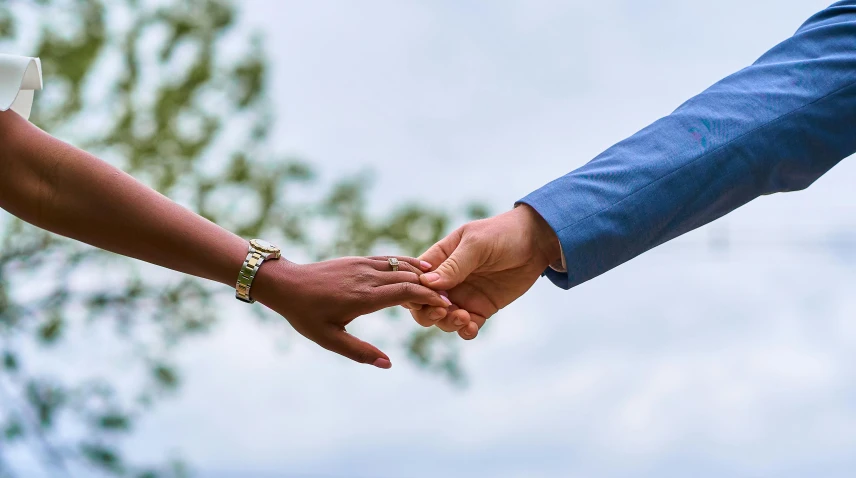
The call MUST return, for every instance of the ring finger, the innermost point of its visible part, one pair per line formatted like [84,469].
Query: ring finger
[408,264]
[420,266]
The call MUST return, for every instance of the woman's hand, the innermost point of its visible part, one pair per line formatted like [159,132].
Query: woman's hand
[320,299]
[91,201]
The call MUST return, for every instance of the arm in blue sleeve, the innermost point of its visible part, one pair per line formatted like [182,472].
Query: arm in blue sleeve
[774,126]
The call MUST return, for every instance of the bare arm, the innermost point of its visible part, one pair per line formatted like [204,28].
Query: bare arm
[62,189]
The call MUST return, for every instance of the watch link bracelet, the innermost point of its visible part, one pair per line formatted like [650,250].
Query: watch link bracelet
[259,252]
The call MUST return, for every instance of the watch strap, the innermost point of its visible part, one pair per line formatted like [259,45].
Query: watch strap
[248,272]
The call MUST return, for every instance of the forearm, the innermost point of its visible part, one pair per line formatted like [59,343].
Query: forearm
[68,191]
[57,187]
[774,126]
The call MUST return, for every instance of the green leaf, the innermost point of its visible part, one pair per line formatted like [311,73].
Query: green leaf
[477,211]
[7,24]
[103,457]
[114,422]
[13,430]
[166,376]
[51,330]
[10,361]
[46,399]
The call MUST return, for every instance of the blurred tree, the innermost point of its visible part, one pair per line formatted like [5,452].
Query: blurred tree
[174,93]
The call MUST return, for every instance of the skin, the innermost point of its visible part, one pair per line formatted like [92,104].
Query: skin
[486,265]
[62,189]
[320,299]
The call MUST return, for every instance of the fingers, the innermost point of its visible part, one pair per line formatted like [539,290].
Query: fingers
[455,320]
[471,330]
[428,316]
[386,278]
[404,263]
[440,251]
[461,261]
[338,340]
[466,324]
[407,292]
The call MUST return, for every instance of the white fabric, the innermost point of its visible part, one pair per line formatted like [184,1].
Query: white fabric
[560,266]
[20,76]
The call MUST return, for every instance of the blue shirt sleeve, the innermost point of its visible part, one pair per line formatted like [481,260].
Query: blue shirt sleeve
[774,126]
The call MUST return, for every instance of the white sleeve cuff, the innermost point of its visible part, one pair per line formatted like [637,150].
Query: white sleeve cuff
[20,76]
[560,266]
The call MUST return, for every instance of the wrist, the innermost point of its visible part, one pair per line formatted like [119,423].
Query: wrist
[273,282]
[546,241]
[228,260]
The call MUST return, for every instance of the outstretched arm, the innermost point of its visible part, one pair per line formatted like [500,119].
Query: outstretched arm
[774,126]
[57,187]
[62,189]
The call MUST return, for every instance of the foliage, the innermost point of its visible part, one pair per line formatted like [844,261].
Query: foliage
[164,93]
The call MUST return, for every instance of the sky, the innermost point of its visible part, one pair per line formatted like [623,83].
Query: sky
[687,361]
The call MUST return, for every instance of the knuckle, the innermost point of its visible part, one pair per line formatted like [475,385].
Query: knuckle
[406,288]
[365,274]
[422,318]
[437,313]
[362,294]
[363,356]
[352,288]
[452,266]
[478,236]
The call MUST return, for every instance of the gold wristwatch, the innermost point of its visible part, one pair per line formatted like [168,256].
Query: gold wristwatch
[260,251]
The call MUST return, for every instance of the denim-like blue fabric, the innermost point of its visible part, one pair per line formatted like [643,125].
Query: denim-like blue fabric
[774,126]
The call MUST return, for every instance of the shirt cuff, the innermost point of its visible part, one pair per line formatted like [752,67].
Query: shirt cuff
[560,265]
[20,76]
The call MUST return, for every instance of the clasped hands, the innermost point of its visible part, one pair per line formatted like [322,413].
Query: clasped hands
[456,285]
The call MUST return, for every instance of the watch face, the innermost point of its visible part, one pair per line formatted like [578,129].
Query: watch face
[264,245]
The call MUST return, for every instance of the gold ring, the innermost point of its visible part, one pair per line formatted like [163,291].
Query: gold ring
[393,262]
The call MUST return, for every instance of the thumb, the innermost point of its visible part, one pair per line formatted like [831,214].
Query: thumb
[345,344]
[458,265]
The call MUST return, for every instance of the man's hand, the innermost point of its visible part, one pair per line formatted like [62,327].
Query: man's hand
[485,265]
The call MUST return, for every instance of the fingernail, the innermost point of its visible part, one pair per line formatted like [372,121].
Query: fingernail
[459,321]
[432,277]
[446,299]
[425,265]
[436,315]
[443,293]
[382,363]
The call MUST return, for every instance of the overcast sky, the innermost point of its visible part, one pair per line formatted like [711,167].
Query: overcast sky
[683,362]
